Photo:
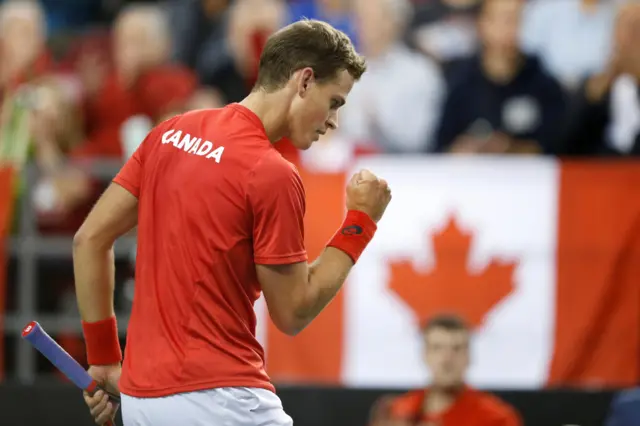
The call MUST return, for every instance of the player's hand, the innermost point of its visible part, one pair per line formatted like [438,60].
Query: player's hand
[369,194]
[107,376]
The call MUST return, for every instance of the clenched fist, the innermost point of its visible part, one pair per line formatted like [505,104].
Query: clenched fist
[369,194]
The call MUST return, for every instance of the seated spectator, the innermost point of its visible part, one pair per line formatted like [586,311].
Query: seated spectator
[55,131]
[501,101]
[24,59]
[447,401]
[572,37]
[396,103]
[625,409]
[117,83]
[446,29]
[132,81]
[22,43]
[605,114]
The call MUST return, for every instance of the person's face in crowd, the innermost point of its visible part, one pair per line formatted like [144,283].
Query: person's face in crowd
[21,35]
[139,44]
[314,110]
[627,38]
[447,356]
[499,25]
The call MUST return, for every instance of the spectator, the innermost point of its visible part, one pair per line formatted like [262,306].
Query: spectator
[55,131]
[24,62]
[123,92]
[199,32]
[446,29]
[605,115]
[22,43]
[117,85]
[447,401]
[501,101]
[396,103]
[572,37]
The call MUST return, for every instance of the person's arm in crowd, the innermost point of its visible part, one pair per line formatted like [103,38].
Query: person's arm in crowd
[500,143]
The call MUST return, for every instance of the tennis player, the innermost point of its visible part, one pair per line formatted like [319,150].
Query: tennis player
[220,218]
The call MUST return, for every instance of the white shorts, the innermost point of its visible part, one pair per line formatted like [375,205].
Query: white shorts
[213,407]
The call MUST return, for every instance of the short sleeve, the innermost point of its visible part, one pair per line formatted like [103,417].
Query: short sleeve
[130,176]
[277,201]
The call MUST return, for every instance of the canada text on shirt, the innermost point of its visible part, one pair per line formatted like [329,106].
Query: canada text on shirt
[191,144]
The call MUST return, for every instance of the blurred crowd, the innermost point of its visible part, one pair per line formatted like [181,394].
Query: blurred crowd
[82,81]
[89,79]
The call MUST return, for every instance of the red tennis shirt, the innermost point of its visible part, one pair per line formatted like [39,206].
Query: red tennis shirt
[215,199]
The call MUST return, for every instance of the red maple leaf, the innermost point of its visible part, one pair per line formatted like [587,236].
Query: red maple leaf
[449,286]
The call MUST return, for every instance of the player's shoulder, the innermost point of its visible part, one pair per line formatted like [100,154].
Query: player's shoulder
[197,116]
[222,128]
[493,406]
[230,118]
[273,169]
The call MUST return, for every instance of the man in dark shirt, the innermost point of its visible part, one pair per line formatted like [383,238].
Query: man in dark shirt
[501,101]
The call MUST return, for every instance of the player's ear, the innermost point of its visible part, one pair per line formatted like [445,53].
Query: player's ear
[305,81]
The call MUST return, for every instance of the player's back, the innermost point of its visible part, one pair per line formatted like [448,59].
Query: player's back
[193,325]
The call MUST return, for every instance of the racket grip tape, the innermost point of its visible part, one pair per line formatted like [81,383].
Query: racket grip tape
[35,334]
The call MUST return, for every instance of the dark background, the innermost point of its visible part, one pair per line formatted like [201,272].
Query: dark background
[53,404]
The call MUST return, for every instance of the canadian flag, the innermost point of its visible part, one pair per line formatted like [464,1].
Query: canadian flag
[542,257]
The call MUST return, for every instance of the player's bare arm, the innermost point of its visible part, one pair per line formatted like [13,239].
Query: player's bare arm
[297,293]
[115,214]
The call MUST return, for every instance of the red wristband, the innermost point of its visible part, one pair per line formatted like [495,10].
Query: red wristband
[101,340]
[354,234]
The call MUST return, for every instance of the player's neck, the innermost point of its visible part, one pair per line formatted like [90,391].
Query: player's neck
[439,399]
[272,110]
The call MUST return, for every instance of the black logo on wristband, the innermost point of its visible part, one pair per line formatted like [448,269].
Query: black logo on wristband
[352,230]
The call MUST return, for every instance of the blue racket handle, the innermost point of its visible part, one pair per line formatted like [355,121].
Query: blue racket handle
[64,362]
